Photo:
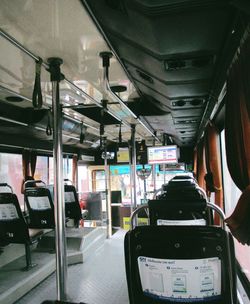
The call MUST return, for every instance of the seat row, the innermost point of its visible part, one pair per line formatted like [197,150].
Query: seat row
[39,202]
[14,228]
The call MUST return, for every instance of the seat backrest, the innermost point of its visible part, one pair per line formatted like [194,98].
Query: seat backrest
[181,189]
[94,205]
[72,206]
[165,211]
[173,264]
[183,177]
[12,224]
[40,207]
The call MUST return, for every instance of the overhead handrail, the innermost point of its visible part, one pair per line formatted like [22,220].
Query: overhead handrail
[106,59]
[21,47]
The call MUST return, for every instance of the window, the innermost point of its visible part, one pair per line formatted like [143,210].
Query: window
[83,179]
[11,172]
[231,196]
[67,169]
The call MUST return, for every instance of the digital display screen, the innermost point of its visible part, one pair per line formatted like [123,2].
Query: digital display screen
[162,155]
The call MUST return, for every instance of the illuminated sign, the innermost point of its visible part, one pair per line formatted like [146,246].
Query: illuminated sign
[162,155]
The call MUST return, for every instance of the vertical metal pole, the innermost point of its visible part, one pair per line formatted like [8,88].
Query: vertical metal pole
[61,250]
[133,166]
[107,193]
[164,168]
[153,168]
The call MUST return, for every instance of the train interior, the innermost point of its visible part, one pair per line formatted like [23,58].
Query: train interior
[123,107]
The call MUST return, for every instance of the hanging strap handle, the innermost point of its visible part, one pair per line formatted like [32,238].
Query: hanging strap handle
[48,128]
[37,98]
[120,134]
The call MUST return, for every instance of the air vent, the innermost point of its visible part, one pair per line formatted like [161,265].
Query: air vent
[14,98]
[119,89]
[188,102]
[175,64]
[188,63]
[179,103]
[187,132]
[144,76]
[186,121]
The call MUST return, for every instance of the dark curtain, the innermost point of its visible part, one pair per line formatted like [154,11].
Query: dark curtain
[237,138]
[33,158]
[201,168]
[26,167]
[29,166]
[213,177]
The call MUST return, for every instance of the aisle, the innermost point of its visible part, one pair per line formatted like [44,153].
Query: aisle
[99,280]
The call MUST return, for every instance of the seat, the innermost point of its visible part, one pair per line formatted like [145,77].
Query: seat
[183,177]
[180,264]
[40,207]
[182,200]
[171,212]
[72,206]
[13,227]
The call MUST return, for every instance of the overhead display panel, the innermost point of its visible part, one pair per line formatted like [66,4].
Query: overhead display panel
[162,155]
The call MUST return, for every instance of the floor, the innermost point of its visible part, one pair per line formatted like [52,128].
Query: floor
[99,280]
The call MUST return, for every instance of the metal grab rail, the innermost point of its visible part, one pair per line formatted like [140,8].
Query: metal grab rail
[21,47]
[156,192]
[214,207]
[106,57]
[2,185]
[38,181]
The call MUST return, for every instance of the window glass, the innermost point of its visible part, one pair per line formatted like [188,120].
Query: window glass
[99,180]
[83,179]
[120,180]
[51,170]
[11,172]
[41,172]
[231,196]
[67,169]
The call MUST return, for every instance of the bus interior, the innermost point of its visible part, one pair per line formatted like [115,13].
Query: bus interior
[124,147]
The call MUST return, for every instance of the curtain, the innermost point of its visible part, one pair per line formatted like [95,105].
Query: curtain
[195,163]
[237,139]
[201,168]
[26,167]
[213,178]
[33,158]
[74,170]
[29,166]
